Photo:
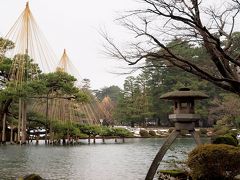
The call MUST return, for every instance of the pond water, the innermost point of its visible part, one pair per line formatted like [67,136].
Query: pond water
[109,161]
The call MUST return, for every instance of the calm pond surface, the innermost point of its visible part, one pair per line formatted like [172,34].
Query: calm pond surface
[110,161]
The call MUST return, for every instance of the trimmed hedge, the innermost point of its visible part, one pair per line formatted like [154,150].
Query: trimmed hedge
[86,130]
[226,139]
[121,132]
[214,161]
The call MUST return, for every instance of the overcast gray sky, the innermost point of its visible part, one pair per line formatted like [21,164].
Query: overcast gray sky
[74,25]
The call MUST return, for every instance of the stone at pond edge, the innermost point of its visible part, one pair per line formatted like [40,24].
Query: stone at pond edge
[175,173]
[31,177]
[237,177]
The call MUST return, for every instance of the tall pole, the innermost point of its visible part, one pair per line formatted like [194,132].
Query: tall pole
[19,120]
[24,121]
[27,16]
[24,104]
[46,119]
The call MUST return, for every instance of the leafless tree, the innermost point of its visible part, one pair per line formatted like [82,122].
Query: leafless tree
[199,22]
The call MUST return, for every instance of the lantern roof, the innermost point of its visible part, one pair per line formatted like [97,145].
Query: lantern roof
[184,93]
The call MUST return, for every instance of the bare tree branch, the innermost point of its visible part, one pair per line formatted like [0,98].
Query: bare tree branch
[162,21]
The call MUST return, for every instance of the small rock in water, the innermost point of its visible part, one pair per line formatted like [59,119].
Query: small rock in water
[32,177]
[237,177]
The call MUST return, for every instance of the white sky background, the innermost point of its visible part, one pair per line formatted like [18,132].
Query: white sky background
[74,25]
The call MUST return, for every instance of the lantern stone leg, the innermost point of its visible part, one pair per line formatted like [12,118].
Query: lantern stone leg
[166,145]
[184,118]
[158,158]
[196,137]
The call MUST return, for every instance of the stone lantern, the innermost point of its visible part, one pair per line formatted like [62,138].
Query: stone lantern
[184,118]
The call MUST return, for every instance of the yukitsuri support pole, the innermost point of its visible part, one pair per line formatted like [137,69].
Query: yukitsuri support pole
[158,158]
[24,122]
[11,134]
[4,129]
[46,121]
[19,121]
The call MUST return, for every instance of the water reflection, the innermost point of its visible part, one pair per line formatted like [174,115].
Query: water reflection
[128,161]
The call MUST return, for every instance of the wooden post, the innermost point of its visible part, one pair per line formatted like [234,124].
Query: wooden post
[77,140]
[37,138]
[64,140]
[89,139]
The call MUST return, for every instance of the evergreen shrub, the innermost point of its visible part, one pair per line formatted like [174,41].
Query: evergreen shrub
[226,139]
[214,161]
[222,130]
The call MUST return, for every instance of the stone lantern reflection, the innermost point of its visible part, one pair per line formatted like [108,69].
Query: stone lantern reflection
[184,118]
